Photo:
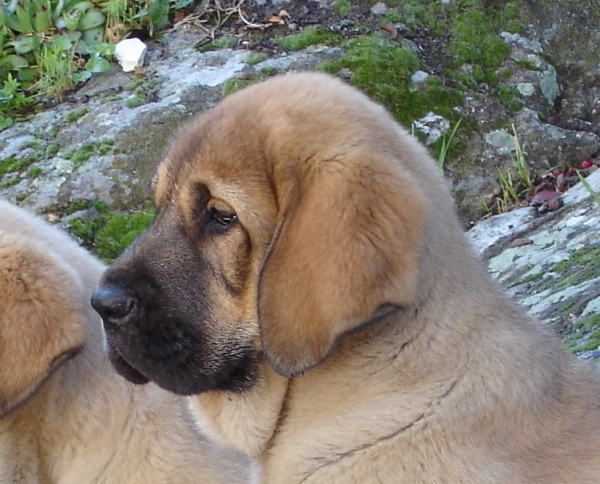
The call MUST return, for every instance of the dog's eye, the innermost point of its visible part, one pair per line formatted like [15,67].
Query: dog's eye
[222,220]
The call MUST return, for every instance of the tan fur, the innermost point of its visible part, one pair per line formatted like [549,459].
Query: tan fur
[65,415]
[389,355]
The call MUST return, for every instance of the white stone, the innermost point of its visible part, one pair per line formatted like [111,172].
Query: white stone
[419,76]
[526,88]
[130,54]
[379,8]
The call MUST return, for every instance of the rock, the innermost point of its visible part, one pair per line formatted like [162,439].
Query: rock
[419,77]
[432,125]
[500,139]
[557,274]
[547,145]
[379,8]
[130,54]
[568,32]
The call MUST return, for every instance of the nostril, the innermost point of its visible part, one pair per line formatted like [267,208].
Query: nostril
[114,304]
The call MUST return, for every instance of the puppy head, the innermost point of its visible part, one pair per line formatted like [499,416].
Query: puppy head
[287,216]
[40,318]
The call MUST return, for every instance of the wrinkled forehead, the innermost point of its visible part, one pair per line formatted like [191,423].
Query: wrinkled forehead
[217,151]
[219,158]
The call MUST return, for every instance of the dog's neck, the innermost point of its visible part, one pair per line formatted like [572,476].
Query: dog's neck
[71,407]
[244,421]
[250,421]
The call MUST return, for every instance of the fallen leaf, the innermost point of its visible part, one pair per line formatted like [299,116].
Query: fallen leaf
[521,242]
[544,196]
[275,19]
[393,31]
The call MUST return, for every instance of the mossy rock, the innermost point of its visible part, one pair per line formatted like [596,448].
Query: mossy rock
[382,69]
[108,234]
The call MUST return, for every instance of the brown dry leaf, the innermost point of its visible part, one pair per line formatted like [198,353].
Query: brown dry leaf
[521,242]
[179,16]
[51,217]
[275,19]
[116,33]
[393,31]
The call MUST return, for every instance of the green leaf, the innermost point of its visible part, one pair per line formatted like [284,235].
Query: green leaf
[92,19]
[5,122]
[24,16]
[42,20]
[81,7]
[159,13]
[11,85]
[27,74]
[58,9]
[93,36]
[80,77]
[97,64]
[16,61]
[23,44]
[12,22]
[104,49]
[62,42]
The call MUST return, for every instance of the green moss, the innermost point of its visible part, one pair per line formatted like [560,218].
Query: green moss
[119,232]
[382,69]
[81,154]
[53,131]
[75,115]
[232,85]
[226,42]
[11,181]
[106,146]
[392,17]
[510,18]
[109,234]
[134,83]
[527,64]
[309,36]
[582,257]
[269,71]
[509,96]
[235,84]
[582,266]
[35,144]
[342,7]
[34,172]
[84,152]
[532,277]
[51,150]
[254,58]
[581,343]
[84,205]
[12,164]
[135,101]
[110,99]
[475,41]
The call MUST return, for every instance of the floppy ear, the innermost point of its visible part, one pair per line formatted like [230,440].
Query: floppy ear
[40,318]
[347,249]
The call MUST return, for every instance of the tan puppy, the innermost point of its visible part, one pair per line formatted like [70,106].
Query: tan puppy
[307,278]
[65,415]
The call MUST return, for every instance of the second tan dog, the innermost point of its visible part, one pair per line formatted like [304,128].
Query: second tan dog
[66,417]
[307,280]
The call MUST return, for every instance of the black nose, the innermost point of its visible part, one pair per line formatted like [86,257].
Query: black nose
[114,304]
